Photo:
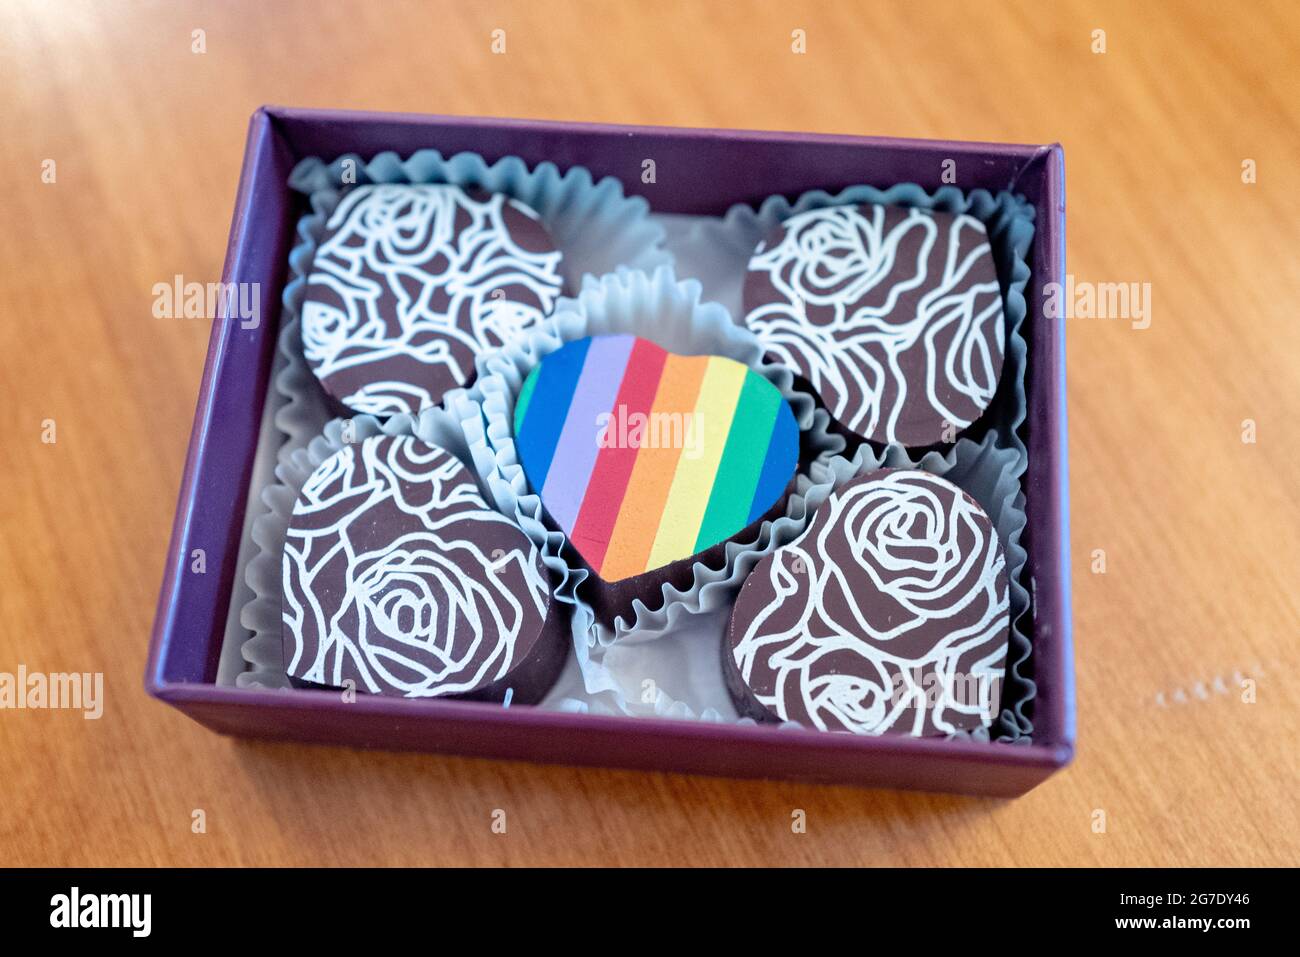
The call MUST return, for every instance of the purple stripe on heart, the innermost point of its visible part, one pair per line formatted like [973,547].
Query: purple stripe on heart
[575,453]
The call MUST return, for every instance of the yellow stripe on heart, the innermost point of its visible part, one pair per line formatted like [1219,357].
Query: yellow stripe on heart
[697,466]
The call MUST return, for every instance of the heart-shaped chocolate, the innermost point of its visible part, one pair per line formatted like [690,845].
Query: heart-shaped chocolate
[644,457]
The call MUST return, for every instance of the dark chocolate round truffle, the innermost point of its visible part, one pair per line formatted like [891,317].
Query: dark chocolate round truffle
[400,578]
[888,615]
[411,282]
[892,315]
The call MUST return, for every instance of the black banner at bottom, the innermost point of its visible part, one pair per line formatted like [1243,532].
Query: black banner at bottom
[364,907]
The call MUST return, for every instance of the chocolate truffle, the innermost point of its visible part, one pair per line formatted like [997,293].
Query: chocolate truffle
[892,315]
[888,615]
[648,460]
[411,282]
[400,578]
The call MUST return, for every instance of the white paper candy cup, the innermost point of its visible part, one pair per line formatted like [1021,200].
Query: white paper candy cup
[659,308]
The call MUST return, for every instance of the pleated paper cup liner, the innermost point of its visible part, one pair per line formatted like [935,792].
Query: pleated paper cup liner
[672,314]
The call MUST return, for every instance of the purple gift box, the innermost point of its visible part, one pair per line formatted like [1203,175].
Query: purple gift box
[700,172]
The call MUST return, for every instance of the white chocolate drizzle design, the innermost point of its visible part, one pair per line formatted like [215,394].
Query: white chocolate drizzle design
[411,282]
[399,576]
[889,614]
[893,315]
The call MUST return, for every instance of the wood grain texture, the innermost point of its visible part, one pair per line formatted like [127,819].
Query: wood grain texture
[1199,528]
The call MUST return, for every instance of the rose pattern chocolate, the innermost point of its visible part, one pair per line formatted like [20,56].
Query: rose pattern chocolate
[890,614]
[411,282]
[894,316]
[399,577]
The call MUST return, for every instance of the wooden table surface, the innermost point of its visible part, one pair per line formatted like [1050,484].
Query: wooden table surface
[1198,527]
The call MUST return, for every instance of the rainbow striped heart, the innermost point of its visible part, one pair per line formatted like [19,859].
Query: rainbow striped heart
[644,457]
